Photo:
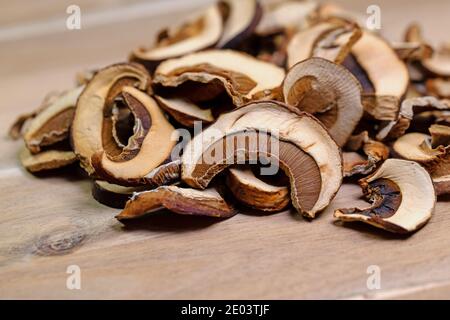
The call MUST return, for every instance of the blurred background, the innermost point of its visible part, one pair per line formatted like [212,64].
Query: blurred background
[40,53]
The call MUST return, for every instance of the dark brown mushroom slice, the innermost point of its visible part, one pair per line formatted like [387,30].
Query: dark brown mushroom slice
[199,33]
[273,132]
[387,75]
[184,111]
[328,91]
[283,15]
[409,107]
[113,195]
[46,160]
[331,40]
[52,125]
[402,197]
[206,75]
[256,193]
[183,201]
[242,18]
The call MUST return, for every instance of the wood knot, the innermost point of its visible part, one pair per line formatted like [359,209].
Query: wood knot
[59,243]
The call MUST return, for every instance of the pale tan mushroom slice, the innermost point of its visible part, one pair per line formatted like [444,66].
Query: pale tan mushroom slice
[271,131]
[409,107]
[329,10]
[46,160]
[439,87]
[331,40]
[92,128]
[152,139]
[363,155]
[284,15]
[328,91]
[432,152]
[22,122]
[113,195]
[148,148]
[198,33]
[386,73]
[52,125]
[439,63]
[242,18]
[183,201]
[256,193]
[402,197]
[184,111]
[206,75]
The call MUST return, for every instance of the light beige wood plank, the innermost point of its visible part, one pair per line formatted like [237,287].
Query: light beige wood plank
[52,222]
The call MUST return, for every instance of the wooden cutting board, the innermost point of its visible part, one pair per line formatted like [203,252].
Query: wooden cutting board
[50,223]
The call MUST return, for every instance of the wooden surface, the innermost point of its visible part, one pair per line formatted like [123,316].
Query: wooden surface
[51,222]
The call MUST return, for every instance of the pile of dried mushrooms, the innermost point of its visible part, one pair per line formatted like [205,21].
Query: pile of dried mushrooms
[338,101]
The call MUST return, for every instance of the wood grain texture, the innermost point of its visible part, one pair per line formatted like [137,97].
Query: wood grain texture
[50,222]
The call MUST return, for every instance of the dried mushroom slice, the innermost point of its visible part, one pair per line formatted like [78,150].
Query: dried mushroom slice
[52,125]
[439,87]
[294,141]
[410,107]
[387,75]
[184,201]
[439,63]
[150,145]
[21,124]
[91,130]
[327,90]
[208,74]
[374,152]
[46,160]
[113,195]
[256,193]
[199,33]
[284,15]
[432,152]
[331,40]
[402,197]
[184,111]
[242,18]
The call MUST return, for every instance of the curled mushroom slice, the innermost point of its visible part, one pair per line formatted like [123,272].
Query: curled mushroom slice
[331,40]
[199,33]
[53,123]
[292,140]
[91,129]
[184,201]
[208,74]
[184,111]
[327,90]
[402,197]
[439,63]
[151,144]
[356,163]
[384,76]
[409,107]
[46,160]
[284,15]
[113,195]
[256,193]
[242,18]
